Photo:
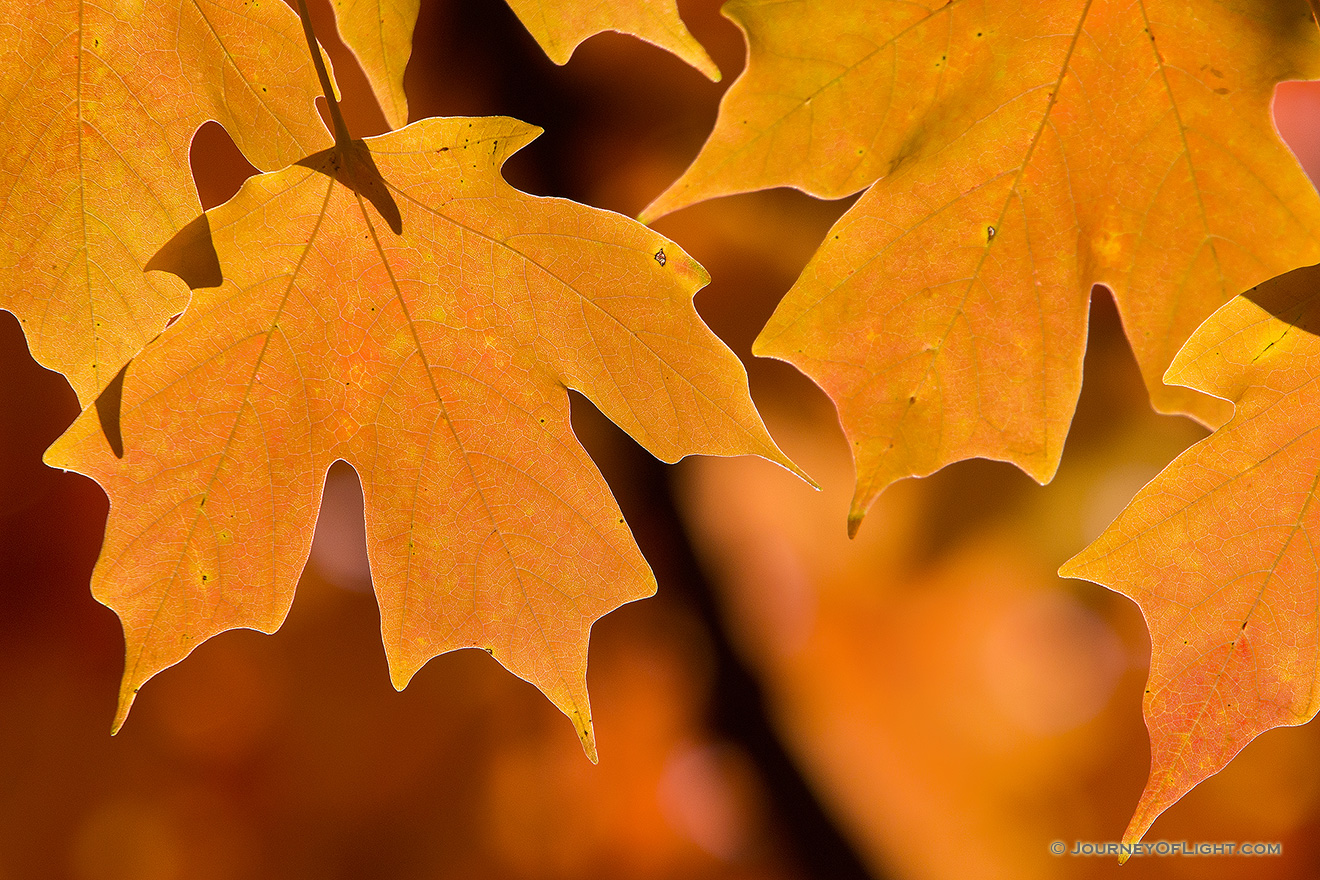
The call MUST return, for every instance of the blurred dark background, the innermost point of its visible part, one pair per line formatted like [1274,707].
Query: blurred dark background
[928,701]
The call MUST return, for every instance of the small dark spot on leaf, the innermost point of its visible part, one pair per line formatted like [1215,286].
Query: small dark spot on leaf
[1221,91]
[912,399]
[660,256]
[989,233]
[205,578]
[443,150]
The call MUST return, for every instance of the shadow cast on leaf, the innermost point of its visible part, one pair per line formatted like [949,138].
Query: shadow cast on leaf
[1291,298]
[356,169]
[191,253]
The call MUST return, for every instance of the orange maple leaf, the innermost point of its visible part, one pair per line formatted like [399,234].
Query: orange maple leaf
[1219,549]
[379,33]
[1017,155]
[396,304]
[98,105]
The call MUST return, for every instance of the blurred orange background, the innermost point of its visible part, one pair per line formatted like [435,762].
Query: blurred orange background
[927,701]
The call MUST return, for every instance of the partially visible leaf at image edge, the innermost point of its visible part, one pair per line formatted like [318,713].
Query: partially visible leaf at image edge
[560,26]
[97,111]
[380,34]
[1016,154]
[396,304]
[1219,549]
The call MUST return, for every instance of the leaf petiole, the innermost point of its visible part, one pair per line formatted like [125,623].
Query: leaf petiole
[342,138]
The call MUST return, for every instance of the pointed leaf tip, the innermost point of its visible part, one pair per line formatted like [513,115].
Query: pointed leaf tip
[587,736]
[1070,569]
[127,694]
[855,522]
[778,457]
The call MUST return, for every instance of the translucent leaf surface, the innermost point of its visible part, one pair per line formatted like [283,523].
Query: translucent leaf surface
[1219,549]
[396,304]
[98,104]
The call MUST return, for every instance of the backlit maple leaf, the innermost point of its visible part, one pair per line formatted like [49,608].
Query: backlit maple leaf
[1017,154]
[1219,549]
[396,304]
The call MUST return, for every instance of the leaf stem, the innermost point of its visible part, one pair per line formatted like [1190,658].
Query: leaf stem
[342,138]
